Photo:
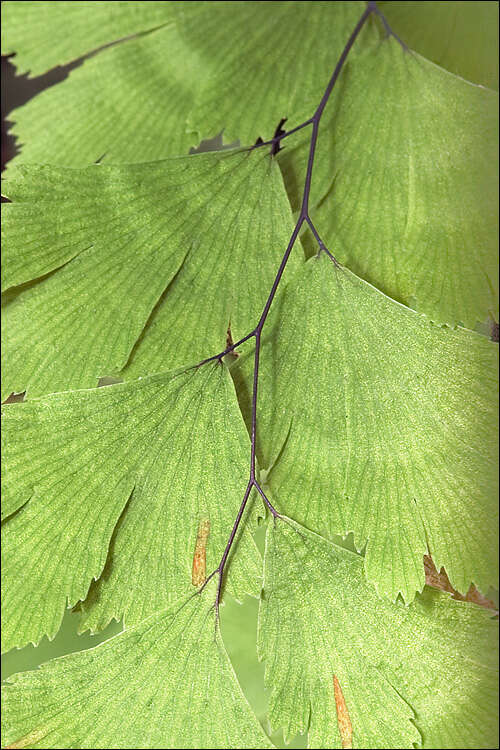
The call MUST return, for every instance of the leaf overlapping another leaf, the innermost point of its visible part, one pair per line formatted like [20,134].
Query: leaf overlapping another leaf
[379,422]
[470,31]
[371,418]
[38,31]
[431,667]
[171,252]
[408,154]
[178,82]
[167,683]
[412,203]
[174,446]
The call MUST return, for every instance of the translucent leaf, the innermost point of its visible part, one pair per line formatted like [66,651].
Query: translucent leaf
[406,175]
[377,421]
[166,683]
[460,36]
[67,641]
[430,667]
[412,204]
[372,419]
[158,94]
[37,32]
[172,253]
[133,468]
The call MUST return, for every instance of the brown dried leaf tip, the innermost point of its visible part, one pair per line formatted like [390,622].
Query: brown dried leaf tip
[440,580]
[230,342]
[199,572]
[343,718]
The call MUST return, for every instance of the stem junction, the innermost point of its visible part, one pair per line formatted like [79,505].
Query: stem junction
[303,218]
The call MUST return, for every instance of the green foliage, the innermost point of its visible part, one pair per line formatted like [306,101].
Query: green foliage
[470,30]
[134,468]
[414,176]
[394,417]
[157,259]
[374,419]
[167,682]
[178,83]
[395,664]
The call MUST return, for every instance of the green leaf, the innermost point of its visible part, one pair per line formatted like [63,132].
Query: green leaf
[135,468]
[166,683]
[372,419]
[67,641]
[37,32]
[430,667]
[409,204]
[412,203]
[239,627]
[159,94]
[171,252]
[377,421]
[460,36]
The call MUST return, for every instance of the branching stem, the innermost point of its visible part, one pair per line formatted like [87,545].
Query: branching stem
[256,333]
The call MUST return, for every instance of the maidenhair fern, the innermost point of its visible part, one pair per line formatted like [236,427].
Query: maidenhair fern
[296,325]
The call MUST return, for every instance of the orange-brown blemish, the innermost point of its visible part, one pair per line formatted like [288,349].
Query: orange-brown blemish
[199,572]
[229,340]
[28,740]
[343,718]
[439,580]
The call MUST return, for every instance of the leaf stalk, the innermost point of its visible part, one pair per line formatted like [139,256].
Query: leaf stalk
[303,218]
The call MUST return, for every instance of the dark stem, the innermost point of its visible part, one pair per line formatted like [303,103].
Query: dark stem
[278,138]
[220,569]
[314,120]
[387,28]
[257,331]
[321,244]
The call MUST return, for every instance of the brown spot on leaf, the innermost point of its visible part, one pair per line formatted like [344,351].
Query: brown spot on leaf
[199,572]
[343,718]
[439,580]
[14,398]
[230,342]
[29,740]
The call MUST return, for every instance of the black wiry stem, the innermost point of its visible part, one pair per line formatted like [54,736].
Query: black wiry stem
[257,331]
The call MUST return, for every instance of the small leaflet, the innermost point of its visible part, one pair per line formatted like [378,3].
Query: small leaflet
[199,571]
[343,718]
